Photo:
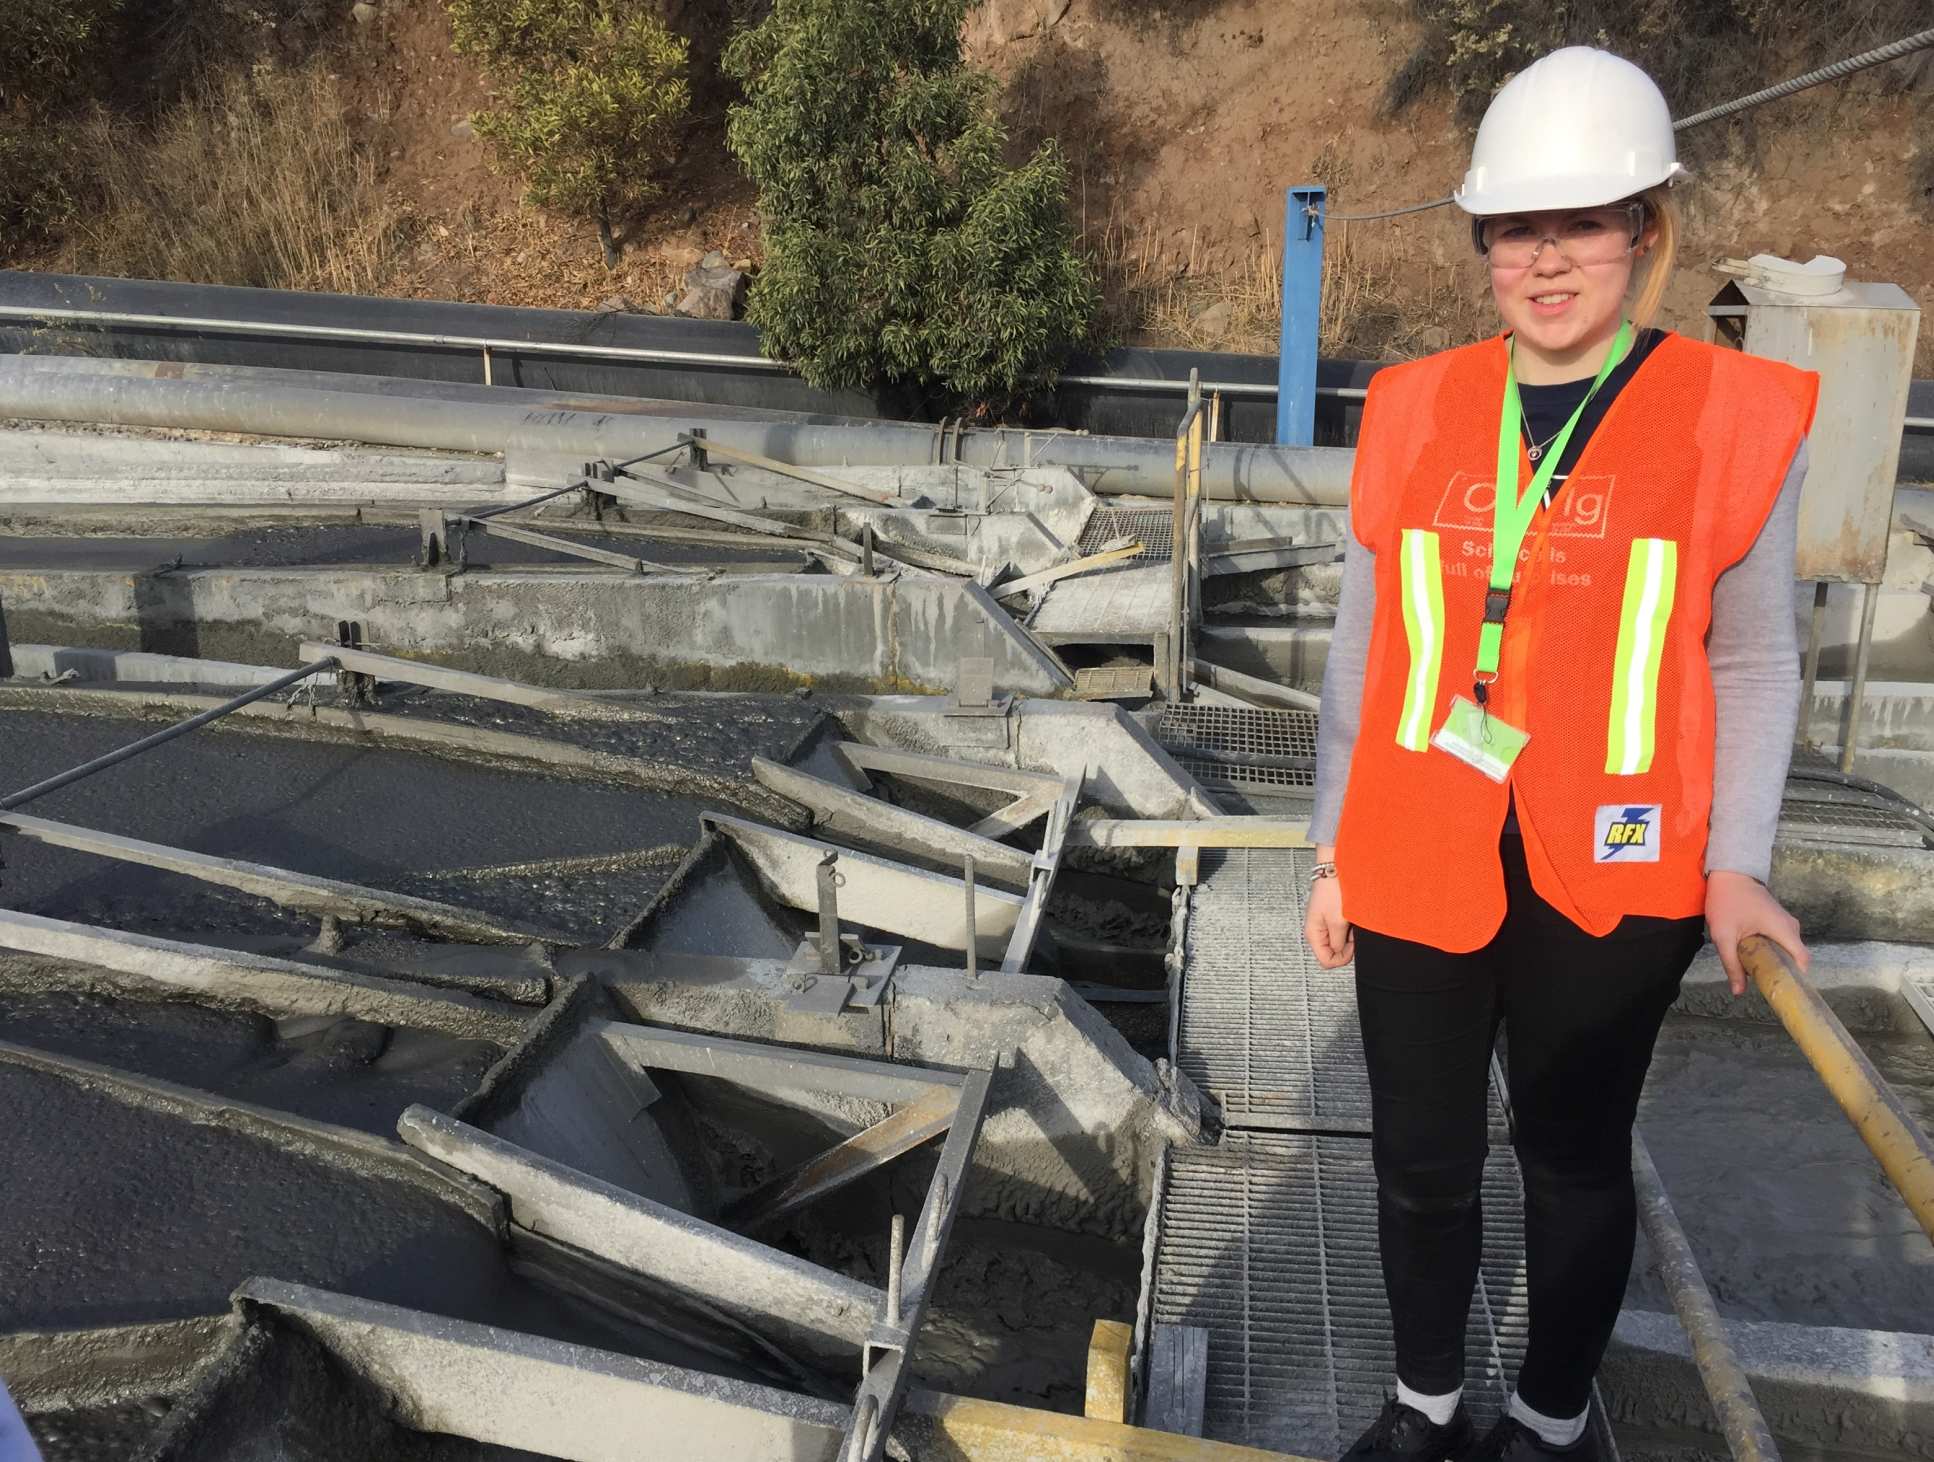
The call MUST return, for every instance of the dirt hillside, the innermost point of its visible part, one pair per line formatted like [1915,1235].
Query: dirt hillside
[1183,122]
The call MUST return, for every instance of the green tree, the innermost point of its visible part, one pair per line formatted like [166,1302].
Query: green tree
[900,247]
[45,44]
[592,94]
[47,50]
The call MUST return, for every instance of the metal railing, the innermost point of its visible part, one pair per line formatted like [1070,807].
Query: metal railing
[1904,1151]
[488,346]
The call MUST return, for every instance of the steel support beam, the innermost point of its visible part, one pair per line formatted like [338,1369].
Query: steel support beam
[772,1067]
[878,893]
[1027,928]
[946,771]
[855,815]
[883,1380]
[181,728]
[866,1151]
[496,529]
[788,1298]
[1204,832]
[1303,210]
[464,682]
[787,469]
[1016,815]
[303,892]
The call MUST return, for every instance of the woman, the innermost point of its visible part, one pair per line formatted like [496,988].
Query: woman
[1555,726]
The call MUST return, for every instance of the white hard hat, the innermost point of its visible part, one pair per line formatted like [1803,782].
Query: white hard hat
[1574,129]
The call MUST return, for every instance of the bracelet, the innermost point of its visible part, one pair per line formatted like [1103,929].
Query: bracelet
[1322,870]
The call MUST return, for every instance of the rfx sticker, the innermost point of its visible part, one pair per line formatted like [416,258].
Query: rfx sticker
[1623,833]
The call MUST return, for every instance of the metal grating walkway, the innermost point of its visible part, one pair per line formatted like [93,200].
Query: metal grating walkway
[1153,528]
[1269,1242]
[1237,748]
[1271,1038]
[1267,1035]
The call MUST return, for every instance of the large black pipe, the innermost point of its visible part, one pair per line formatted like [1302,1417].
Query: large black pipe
[719,362]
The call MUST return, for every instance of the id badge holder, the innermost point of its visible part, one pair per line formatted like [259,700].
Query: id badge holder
[1479,739]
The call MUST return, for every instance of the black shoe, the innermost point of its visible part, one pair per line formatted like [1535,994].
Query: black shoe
[1404,1434]
[1512,1441]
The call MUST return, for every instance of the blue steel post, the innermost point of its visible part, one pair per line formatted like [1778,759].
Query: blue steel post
[1302,295]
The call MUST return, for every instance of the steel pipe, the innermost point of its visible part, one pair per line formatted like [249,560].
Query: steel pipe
[381,410]
[1876,1111]
[148,743]
[1727,1387]
[481,343]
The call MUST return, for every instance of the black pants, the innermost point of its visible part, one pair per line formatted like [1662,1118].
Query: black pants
[1581,1015]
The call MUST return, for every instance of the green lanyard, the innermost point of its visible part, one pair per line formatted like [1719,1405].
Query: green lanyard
[1511,514]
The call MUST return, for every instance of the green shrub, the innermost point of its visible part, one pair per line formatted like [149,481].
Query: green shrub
[592,94]
[37,182]
[46,44]
[900,249]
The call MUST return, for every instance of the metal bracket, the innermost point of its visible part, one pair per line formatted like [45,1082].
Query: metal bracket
[861,984]
[359,688]
[831,969]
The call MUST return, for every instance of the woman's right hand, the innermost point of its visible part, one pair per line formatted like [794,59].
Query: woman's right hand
[1331,939]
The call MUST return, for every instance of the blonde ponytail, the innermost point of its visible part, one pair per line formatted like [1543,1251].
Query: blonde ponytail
[1663,214]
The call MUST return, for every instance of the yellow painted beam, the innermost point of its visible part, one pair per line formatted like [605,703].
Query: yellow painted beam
[1876,1111]
[940,1428]
[1198,832]
[1108,1371]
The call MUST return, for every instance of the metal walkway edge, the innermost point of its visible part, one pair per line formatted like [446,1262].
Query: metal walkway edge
[1269,1240]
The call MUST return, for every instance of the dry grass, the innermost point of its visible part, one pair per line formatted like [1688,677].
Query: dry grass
[1378,302]
[259,179]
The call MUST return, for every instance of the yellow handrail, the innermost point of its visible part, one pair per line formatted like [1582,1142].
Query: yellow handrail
[1884,1124]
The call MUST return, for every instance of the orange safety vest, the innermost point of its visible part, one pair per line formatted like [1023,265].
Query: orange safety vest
[1603,660]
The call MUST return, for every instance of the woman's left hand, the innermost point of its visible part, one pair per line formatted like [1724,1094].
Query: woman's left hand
[1738,906]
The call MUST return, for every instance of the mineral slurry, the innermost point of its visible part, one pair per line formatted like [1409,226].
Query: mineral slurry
[331,1068]
[167,1215]
[391,819]
[1788,1213]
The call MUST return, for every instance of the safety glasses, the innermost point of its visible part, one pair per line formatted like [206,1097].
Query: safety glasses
[1584,236]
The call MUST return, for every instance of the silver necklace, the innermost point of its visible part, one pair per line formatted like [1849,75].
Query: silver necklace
[1537,449]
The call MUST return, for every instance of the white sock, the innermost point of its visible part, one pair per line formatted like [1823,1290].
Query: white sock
[1554,1431]
[1440,1409]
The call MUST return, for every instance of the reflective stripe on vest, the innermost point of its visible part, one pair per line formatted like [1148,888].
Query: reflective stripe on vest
[1423,623]
[1651,577]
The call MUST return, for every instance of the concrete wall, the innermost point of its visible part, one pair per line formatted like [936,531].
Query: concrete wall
[550,627]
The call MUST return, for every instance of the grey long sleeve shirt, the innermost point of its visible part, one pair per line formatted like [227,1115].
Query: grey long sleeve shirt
[1752,646]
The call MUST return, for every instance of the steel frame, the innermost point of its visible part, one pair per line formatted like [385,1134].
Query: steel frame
[936,1101]
[883,1359]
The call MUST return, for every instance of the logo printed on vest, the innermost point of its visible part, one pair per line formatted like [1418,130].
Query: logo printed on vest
[1624,833]
[1581,510]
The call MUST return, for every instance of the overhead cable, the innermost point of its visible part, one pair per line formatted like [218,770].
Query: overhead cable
[1879,56]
